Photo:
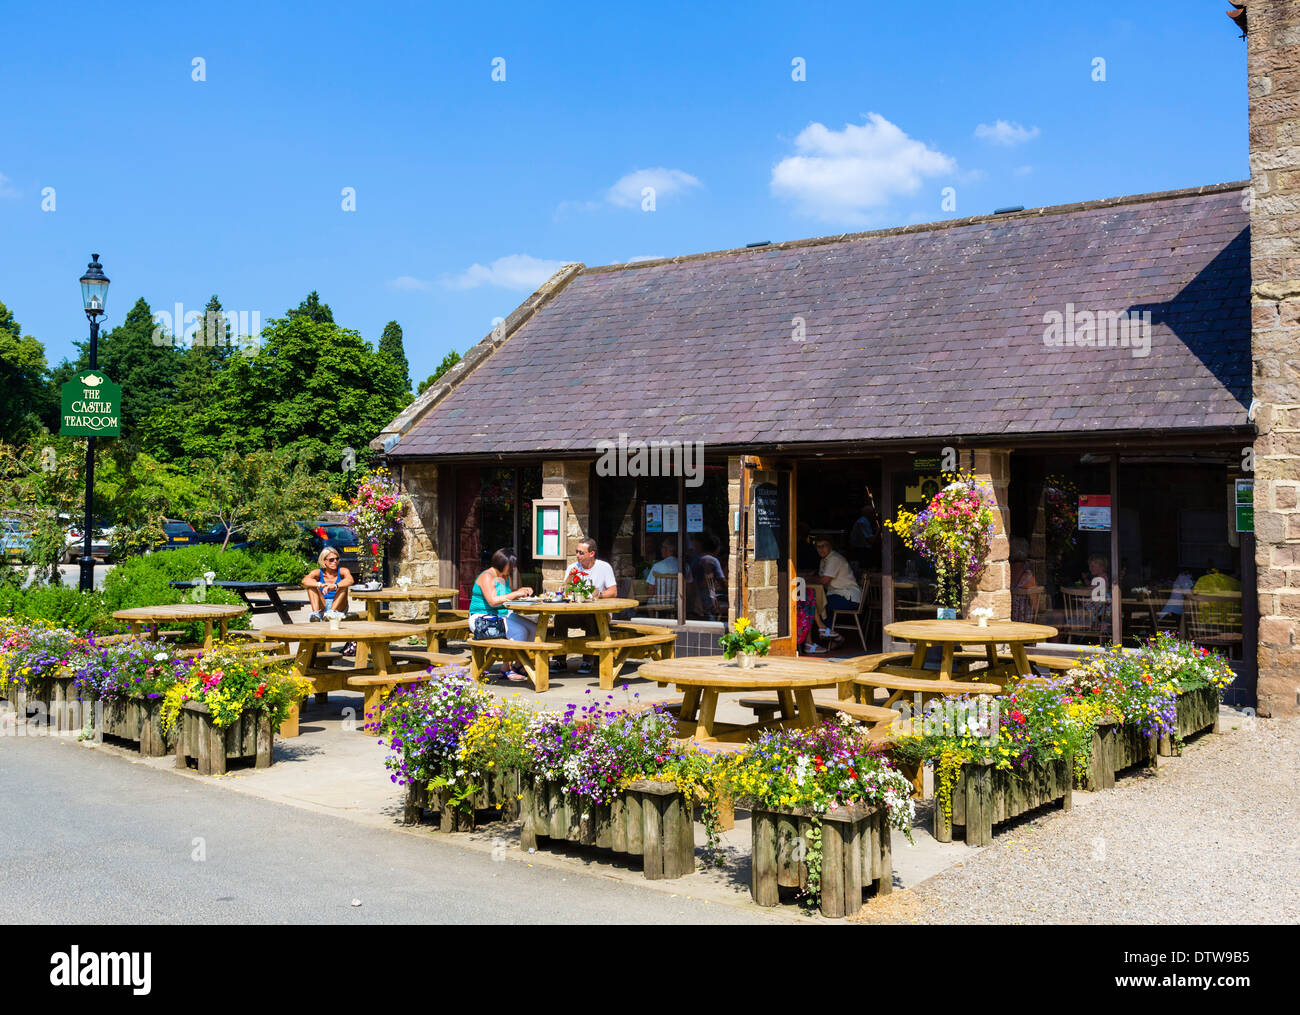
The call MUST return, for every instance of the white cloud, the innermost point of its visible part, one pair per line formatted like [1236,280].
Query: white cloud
[840,175]
[627,192]
[1004,133]
[5,189]
[1022,170]
[515,271]
[407,283]
[645,257]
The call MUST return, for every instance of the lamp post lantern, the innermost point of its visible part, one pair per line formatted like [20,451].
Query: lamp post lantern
[94,293]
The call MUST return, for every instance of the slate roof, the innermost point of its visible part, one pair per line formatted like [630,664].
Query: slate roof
[924,333]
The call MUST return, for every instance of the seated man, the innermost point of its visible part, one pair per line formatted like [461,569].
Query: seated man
[327,586]
[666,567]
[602,579]
[842,590]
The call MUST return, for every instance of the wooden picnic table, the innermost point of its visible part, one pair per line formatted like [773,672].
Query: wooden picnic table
[703,678]
[558,614]
[375,679]
[949,635]
[375,598]
[272,604]
[140,617]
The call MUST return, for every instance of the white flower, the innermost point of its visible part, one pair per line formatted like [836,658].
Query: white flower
[159,657]
[211,576]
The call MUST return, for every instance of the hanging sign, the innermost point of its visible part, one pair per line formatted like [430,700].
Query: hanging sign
[767,522]
[1094,512]
[91,406]
[1245,505]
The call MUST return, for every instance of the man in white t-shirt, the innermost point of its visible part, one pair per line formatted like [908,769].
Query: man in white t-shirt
[835,574]
[602,579]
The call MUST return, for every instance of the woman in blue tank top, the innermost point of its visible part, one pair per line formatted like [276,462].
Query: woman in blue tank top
[490,598]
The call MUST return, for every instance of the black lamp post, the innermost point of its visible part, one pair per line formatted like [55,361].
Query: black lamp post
[94,291]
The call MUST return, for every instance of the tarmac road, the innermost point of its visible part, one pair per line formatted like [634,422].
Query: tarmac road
[89,837]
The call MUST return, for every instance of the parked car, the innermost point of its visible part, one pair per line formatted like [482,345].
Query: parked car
[337,537]
[176,533]
[15,540]
[216,534]
[74,543]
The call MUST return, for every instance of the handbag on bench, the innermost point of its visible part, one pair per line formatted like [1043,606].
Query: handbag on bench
[489,627]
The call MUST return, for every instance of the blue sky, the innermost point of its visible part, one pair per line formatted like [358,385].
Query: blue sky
[468,190]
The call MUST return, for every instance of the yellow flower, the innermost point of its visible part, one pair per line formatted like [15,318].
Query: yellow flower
[741,624]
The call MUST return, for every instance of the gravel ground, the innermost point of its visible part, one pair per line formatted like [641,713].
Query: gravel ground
[1214,837]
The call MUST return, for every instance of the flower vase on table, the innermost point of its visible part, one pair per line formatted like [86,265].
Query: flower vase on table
[743,643]
[579,590]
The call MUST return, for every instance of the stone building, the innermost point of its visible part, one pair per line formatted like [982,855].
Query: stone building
[1116,372]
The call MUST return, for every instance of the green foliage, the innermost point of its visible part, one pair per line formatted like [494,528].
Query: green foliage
[189,563]
[146,372]
[390,345]
[61,606]
[22,379]
[313,309]
[448,361]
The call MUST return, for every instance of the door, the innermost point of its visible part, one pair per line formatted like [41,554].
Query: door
[767,587]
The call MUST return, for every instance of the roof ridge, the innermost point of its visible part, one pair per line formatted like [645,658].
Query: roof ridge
[923,227]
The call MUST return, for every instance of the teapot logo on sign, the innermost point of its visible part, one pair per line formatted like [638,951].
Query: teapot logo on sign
[92,407]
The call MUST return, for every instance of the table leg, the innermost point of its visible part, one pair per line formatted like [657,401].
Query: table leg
[302,664]
[1021,658]
[807,707]
[945,665]
[541,660]
[918,655]
[708,706]
[788,708]
[207,636]
[690,702]
[280,608]
[363,650]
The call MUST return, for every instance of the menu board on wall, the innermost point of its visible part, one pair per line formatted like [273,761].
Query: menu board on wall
[1245,505]
[548,532]
[767,522]
[694,517]
[670,517]
[654,518]
[1094,512]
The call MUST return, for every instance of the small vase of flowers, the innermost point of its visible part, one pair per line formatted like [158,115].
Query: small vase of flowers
[578,589]
[982,615]
[744,641]
[335,618]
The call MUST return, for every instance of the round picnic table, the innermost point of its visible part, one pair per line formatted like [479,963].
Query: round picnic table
[598,609]
[430,594]
[140,617]
[703,678]
[374,678]
[947,635]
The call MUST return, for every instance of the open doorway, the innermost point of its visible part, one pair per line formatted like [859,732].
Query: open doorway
[838,534]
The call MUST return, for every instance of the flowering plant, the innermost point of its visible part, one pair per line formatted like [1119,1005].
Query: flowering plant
[1127,688]
[33,651]
[1185,665]
[578,586]
[231,682]
[953,531]
[744,637]
[129,669]
[982,611]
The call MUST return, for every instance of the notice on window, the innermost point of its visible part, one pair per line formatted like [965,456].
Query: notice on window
[694,517]
[670,517]
[1094,512]
[549,528]
[1245,505]
[654,518]
[767,522]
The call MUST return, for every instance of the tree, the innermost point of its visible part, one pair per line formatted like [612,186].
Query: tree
[145,370]
[313,309]
[390,344]
[23,391]
[198,377]
[448,361]
[265,494]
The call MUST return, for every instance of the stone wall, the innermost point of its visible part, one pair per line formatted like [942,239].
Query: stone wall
[993,471]
[570,480]
[416,554]
[736,553]
[1273,46]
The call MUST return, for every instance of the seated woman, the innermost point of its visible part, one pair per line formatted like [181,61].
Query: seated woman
[489,598]
[327,586]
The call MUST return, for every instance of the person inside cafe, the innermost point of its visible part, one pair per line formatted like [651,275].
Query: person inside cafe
[1024,584]
[666,567]
[842,590]
[707,576]
[489,609]
[864,540]
[327,586]
[604,585]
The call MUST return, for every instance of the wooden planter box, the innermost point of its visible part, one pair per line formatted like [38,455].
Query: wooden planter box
[1198,710]
[212,747]
[68,711]
[33,693]
[138,720]
[1116,748]
[856,853]
[984,796]
[501,796]
[652,820]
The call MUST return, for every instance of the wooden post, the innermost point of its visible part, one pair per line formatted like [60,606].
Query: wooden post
[618,824]
[881,832]
[556,818]
[652,844]
[833,903]
[979,805]
[528,834]
[604,833]
[787,867]
[633,805]
[763,875]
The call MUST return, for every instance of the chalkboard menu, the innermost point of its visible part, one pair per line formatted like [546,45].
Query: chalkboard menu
[767,522]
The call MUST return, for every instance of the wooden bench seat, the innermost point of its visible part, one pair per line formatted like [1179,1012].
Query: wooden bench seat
[403,654]
[900,686]
[654,643]
[534,656]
